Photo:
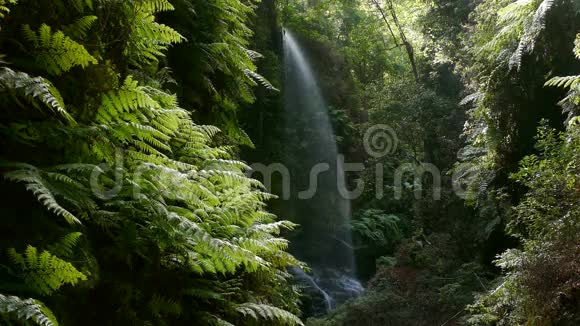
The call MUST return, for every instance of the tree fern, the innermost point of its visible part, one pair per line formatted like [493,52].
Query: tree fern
[532,32]
[224,57]
[27,309]
[183,211]
[517,28]
[571,103]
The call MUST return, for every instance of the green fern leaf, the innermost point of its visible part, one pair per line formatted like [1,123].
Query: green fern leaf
[564,82]
[65,247]
[532,32]
[33,88]
[27,309]
[44,273]
[79,29]
[149,38]
[37,185]
[154,6]
[56,52]
[257,77]
[267,312]
[4,9]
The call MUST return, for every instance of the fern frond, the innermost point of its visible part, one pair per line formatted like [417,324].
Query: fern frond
[34,182]
[79,29]
[219,322]
[121,105]
[267,312]
[33,88]
[471,98]
[56,52]
[160,305]
[209,131]
[149,38]
[154,6]
[27,309]
[564,82]
[4,8]
[528,40]
[65,247]
[259,78]
[253,55]
[44,273]
[273,228]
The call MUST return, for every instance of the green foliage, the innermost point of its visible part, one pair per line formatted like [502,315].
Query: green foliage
[65,247]
[376,227]
[513,46]
[56,52]
[26,309]
[261,311]
[149,39]
[220,80]
[104,106]
[511,31]
[41,188]
[44,273]
[571,103]
[19,84]
[564,82]
[4,9]
[173,230]
[80,28]
[539,280]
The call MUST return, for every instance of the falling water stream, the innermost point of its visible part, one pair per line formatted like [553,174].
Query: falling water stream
[323,240]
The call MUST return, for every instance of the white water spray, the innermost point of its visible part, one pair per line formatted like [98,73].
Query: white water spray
[324,240]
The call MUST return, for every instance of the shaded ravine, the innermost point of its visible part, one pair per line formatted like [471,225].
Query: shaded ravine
[317,186]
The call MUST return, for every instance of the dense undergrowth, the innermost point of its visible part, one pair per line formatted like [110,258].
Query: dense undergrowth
[486,251]
[118,208]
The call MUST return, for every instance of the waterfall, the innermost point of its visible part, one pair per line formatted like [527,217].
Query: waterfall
[311,155]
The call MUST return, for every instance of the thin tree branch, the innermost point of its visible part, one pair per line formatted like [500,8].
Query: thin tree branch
[408,46]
